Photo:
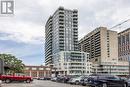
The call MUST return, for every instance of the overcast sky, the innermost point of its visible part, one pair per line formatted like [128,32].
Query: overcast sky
[23,34]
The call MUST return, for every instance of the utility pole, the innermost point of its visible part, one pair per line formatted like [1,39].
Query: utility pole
[1,66]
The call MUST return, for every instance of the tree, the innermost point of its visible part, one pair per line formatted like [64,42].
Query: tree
[16,65]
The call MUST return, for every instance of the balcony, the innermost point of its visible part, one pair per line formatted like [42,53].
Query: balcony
[61,26]
[61,12]
[75,25]
[75,19]
[61,19]
[75,15]
[75,11]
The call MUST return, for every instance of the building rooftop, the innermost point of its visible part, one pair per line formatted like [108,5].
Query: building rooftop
[128,29]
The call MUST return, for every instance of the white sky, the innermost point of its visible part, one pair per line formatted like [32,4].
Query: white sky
[27,26]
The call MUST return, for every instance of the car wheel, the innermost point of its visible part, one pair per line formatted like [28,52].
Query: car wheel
[7,81]
[94,86]
[104,85]
[77,82]
[28,81]
[83,84]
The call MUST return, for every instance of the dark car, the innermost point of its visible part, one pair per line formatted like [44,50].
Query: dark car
[83,80]
[76,80]
[44,78]
[63,79]
[47,78]
[60,78]
[100,80]
[66,79]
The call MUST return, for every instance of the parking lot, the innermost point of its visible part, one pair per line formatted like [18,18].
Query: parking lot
[40,83]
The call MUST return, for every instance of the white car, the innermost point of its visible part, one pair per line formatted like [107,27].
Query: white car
[0,83]
[128,82]
[54,79]
[75,80]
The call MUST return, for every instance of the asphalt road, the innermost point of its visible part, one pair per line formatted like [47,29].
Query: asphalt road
[39,83]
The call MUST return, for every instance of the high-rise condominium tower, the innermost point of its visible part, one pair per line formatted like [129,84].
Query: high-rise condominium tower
[61,33]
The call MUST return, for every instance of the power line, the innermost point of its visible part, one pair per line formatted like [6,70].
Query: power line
[120,24]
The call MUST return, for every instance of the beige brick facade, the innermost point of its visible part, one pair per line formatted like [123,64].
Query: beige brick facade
[102,46]
[37,71]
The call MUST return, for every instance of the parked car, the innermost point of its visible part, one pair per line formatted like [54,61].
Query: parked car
[100,80]
[41,78]
[0,83]
[124,78]
[67,78]
[10,78]
[128,82]
[44,78]
[76,80]
[54,79]
[63,79]
[35,77]
[83,80]
[47,78]
[60,78]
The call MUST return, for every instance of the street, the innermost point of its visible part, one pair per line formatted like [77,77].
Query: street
[40,83]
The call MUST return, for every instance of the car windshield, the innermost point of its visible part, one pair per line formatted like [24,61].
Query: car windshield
[79,77]
[114,78]
[123,78]
[93,77]
[128,79]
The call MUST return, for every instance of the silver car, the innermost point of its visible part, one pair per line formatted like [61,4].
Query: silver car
[128,82]
[76,80]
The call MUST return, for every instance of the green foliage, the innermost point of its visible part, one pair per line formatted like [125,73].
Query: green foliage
[15,65]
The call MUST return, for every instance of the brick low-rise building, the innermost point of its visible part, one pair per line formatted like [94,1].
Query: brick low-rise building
[37,71]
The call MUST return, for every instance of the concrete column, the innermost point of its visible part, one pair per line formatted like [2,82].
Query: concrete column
[30,73]
[37,74]
[44,73]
